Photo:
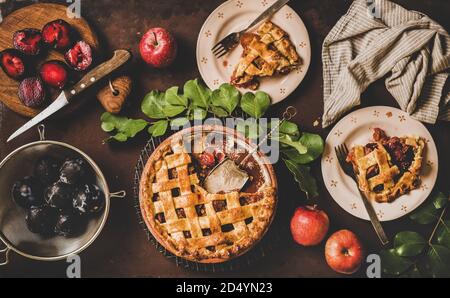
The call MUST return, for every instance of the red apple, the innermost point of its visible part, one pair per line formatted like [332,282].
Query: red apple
[344,252]
[309,226]
[158,47]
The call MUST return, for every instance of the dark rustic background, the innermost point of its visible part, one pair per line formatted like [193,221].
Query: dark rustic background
[122,250]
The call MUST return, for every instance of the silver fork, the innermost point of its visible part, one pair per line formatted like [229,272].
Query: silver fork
[342,153]
[232,40]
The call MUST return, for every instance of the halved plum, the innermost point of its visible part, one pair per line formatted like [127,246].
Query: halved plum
[13,63]
[79,57]
[28,41]
[58,34]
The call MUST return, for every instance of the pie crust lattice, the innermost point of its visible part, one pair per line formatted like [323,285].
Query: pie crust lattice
[390,182]
[192,223]
[267,53]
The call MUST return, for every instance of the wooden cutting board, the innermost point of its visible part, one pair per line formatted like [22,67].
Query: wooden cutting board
[36,16]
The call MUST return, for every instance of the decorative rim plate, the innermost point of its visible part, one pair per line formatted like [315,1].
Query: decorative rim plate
[355,129]
[235,15]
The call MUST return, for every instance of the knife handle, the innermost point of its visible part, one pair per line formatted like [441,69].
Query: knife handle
[120,58]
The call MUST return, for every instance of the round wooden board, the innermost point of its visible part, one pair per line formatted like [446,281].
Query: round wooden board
[35,16]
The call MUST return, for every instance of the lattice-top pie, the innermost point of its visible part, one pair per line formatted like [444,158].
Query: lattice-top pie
[268,52]
[388,167]
[189,221]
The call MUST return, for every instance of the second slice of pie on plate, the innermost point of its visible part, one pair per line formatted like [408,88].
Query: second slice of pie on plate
[388,167]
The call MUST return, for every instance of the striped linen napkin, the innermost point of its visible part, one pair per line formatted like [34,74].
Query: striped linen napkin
[379,39]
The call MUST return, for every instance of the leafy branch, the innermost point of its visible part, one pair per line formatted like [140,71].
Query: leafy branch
[175,109]
[413,255]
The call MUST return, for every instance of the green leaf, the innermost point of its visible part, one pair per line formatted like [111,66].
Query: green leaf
[290,128]
[440,200]
[124,127]
[173,98]
[120,137]
[414,272]
[198,93]
[439,261]
[443,233]
[159,128]
[153,105]
[297,145]
[179,122]
[314,145]
[256,104]
[249,128]
[425,215]
[219,112]
[226,97]
[409,244]
[393,264]
[107,126]
[132,127]
[172,111]
[304,179]
[198,114]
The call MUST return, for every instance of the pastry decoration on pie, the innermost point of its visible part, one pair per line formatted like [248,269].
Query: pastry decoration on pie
[267,52]
[389,167]
[192,223]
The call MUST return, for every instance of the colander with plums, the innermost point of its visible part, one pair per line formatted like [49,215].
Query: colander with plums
[54,201]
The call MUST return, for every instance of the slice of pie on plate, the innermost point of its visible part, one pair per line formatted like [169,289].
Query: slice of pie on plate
[388,167]
[186,219]
[267,52]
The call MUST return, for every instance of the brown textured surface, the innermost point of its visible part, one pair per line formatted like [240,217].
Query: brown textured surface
[122,249]
[35,16]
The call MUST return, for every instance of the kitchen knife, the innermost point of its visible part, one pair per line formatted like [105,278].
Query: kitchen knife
[120,58]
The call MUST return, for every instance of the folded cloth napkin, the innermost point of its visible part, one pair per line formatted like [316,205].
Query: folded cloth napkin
[378,38]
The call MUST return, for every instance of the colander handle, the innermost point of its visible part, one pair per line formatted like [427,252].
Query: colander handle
[6,252]
[118,195]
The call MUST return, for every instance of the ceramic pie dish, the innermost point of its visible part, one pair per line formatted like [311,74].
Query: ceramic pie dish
[196,225]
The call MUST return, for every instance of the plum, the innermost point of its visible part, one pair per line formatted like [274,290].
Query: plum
[89,199]
[28,192]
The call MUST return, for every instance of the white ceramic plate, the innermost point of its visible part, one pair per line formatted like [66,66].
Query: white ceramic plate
[356,129]
[235,15]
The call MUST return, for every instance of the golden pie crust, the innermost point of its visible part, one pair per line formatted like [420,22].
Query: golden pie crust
[267,53]
[391,181]
[201,234]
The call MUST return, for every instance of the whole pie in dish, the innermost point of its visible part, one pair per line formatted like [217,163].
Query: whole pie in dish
[389,167]
[186,219]
[267,53]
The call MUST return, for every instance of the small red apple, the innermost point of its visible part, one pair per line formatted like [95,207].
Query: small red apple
[309,225]
[344,252]
[158,47]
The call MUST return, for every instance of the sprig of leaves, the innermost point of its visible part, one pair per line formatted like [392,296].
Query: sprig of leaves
[413,255]
[175,109]
[122,128]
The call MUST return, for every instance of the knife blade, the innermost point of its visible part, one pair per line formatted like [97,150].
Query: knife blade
[55,106]
[120,58]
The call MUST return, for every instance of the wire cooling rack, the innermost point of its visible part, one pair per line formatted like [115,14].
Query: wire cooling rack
[270,240]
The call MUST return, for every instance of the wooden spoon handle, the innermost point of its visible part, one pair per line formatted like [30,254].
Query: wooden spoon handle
[120,58]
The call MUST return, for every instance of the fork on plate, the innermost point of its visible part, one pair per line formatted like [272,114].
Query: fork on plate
[342,153]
